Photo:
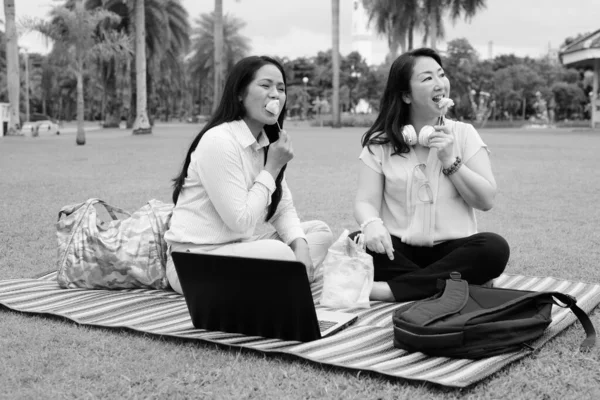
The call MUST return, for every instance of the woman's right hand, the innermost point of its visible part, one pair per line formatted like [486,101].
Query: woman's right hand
[378,239]
[280,153]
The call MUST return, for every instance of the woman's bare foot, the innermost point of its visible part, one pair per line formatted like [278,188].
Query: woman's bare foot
[381,292]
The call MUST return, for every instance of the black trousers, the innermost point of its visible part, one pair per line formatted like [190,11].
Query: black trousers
[414,272]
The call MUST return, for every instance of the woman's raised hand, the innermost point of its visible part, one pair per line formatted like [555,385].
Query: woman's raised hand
[442,139]
[280,153]
[378,239]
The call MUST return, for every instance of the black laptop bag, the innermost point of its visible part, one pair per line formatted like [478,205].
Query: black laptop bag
[471,321]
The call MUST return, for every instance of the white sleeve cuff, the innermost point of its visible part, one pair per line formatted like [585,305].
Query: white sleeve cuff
[266,179]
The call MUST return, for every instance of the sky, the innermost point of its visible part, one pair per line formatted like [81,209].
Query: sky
[298,28]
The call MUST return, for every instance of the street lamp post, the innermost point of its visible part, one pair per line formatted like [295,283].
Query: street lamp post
[305,81]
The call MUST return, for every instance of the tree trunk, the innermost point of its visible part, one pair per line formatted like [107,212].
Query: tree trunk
[392,40]
[12,68]
[433,31]
[142,124]
[111,109]
[218,70]
[335,61]
[80,139]
[150,103]
[132,94]
[402,45]
[411,28]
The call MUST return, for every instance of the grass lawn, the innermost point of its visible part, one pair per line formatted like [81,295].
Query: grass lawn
[547,208]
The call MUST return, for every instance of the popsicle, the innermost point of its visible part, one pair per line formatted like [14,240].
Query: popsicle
[273,107]
[444,104]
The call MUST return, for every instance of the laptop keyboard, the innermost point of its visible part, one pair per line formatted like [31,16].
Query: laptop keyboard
[324,325]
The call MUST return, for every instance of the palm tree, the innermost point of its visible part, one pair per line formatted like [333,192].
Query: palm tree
[167,39]
[395,19]
[218,54]
[379,14]
[201,63]
[142,124]
[335,62]
[12,70]
[432,21]
[434,10]
[79,40]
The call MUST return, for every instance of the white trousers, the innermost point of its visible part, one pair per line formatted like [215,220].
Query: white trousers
[267,245]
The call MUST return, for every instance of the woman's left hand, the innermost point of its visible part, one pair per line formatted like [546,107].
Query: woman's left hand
[302,252]
[304,257]
[443,140]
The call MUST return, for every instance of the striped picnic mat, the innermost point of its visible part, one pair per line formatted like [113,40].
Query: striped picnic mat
[366,345]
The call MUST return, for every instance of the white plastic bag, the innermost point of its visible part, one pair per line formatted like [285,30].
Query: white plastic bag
[347,275]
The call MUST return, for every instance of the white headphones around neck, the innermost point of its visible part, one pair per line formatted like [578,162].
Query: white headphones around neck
[410,135]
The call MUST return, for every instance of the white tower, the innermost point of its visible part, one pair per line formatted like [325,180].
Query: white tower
[361,35]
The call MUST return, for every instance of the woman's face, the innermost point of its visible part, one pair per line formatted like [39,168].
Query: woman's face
[267,85]
[428,85]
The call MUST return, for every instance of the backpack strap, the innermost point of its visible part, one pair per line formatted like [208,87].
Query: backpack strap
[571,302]
[452,300]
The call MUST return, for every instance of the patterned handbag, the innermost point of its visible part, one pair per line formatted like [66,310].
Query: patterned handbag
[118,254]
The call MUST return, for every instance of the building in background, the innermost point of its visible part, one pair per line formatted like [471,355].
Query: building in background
[585,53]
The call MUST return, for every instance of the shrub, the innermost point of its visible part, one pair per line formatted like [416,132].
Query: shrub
[348,120]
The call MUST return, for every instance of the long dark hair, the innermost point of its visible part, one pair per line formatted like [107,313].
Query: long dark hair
[394,113]
[231,109]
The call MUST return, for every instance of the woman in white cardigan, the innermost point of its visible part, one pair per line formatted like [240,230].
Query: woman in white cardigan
[420,180]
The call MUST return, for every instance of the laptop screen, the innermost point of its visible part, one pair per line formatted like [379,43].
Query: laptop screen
[256,297]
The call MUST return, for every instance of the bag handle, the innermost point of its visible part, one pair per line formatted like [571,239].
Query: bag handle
[571,302]
[111,210]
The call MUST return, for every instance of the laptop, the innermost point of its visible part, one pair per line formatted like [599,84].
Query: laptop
[253,296]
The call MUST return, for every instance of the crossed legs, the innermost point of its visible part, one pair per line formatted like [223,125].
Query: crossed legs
[414,272]
[267,245]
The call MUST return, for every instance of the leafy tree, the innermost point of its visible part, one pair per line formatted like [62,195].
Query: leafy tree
[460,63]
[353,68]
[167,41]
[299,68]
[505,60]
[323,71]
[519,79]
[433,11]
[372,84]
[397,20]
[201,64]
[79,39]
[298,101]
[569,99]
